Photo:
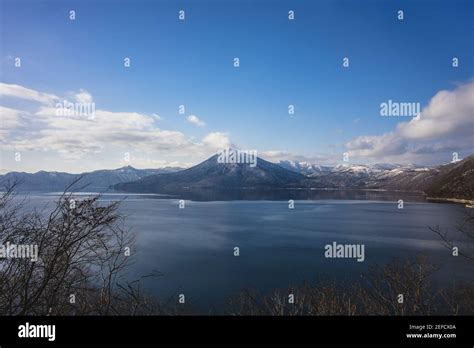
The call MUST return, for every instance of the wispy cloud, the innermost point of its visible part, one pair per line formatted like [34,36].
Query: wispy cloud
[193,119]
[17,91]
[82,96]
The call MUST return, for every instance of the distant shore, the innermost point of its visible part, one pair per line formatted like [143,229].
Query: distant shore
[452,200]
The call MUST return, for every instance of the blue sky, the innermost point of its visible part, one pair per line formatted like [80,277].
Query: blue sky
[283,62]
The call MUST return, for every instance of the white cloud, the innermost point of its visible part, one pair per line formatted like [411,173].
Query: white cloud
[217,141]
[147,162]
[83,96]
[75,137]
[10,118]
[445,125]
[16,91]
[195,120]
[448,113]
[275,155]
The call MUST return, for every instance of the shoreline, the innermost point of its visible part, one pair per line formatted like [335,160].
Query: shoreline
[467,202]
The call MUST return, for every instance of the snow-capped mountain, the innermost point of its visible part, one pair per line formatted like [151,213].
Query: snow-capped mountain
[211,174]
[305,168]
[310,169]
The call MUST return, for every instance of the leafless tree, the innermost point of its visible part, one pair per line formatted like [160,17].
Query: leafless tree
[377,292]
[465,227]
[84,249]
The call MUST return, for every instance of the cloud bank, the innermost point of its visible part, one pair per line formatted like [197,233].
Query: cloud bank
[74,136]
[445,125]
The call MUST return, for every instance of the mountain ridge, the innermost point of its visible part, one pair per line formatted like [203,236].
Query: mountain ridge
[452,180]
[98,180]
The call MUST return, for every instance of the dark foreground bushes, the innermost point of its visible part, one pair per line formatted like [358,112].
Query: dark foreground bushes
[398,288]
[401,287]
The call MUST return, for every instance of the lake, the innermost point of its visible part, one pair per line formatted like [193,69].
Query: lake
[194,247]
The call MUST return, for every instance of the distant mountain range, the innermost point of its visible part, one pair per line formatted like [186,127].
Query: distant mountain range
[313,170]
[347,175]
[454,180]
[97,181]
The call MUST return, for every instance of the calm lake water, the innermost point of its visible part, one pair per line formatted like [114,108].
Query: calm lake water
[279,247]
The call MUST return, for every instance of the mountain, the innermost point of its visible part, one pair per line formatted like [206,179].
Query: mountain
[99,180]
[305,168]
[315,170]
[345,175]
[213,175]
[405,179]
[454,180]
